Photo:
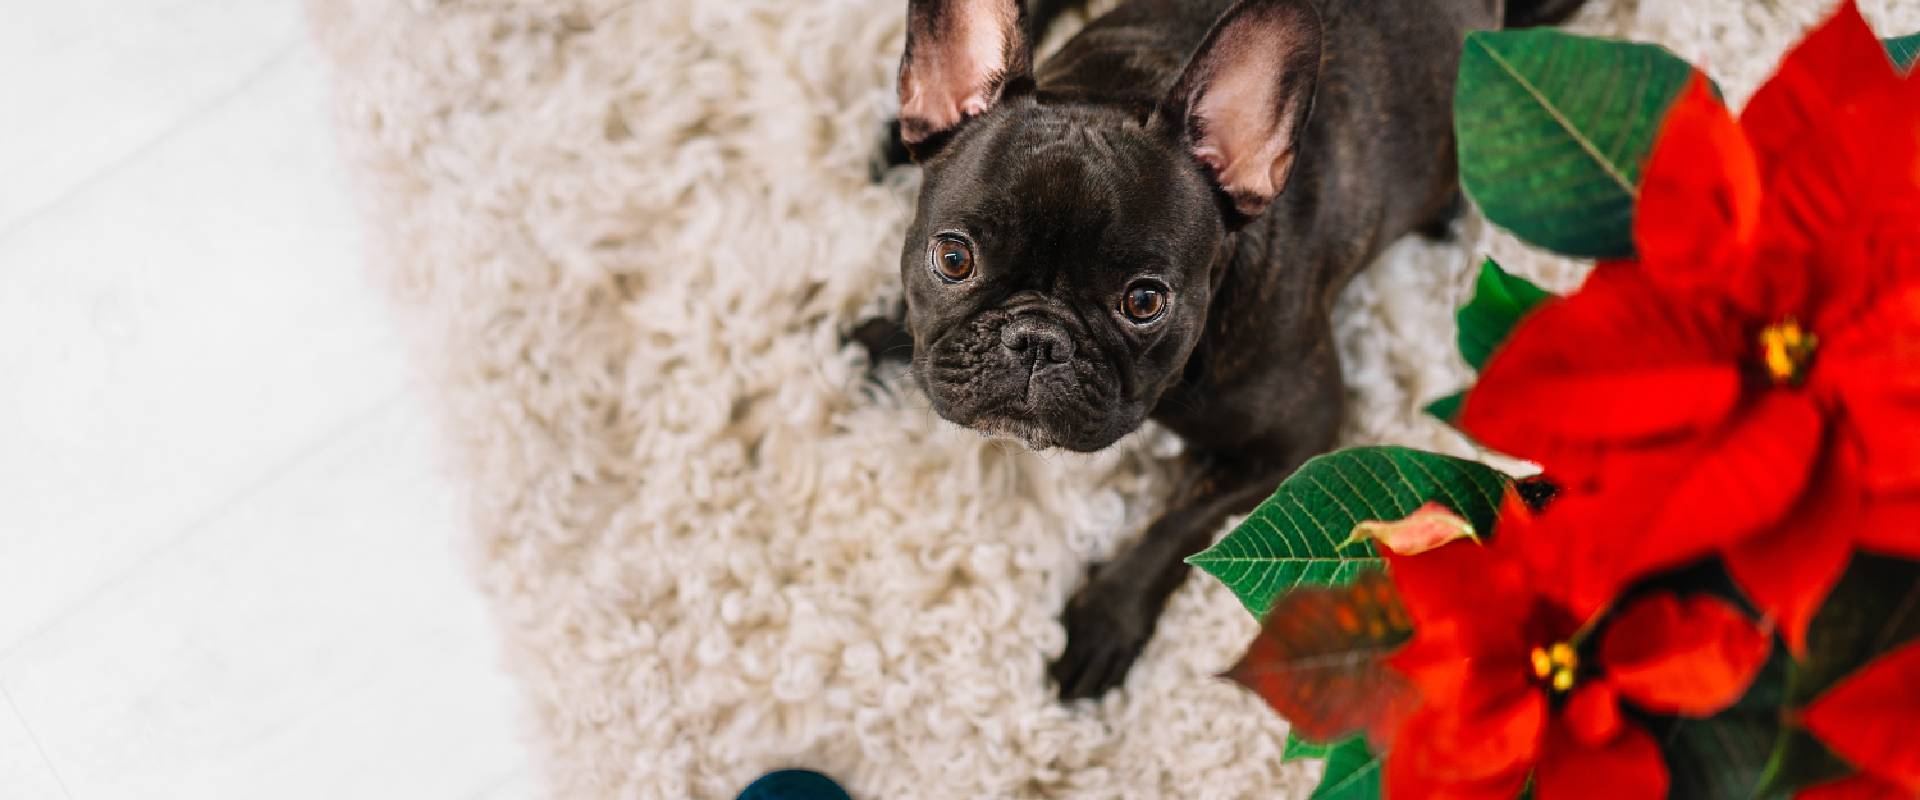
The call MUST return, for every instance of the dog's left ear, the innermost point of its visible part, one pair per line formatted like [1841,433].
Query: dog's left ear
[1243,100]
[960,55]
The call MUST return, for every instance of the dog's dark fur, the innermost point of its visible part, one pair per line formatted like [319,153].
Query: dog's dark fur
[1154,146]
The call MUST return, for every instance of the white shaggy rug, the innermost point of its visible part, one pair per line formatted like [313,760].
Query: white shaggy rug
[626,236]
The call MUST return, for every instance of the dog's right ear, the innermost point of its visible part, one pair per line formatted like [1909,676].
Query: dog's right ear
[961,54]
[1241,105]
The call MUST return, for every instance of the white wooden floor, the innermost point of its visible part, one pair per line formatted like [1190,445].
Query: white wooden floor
[227,560]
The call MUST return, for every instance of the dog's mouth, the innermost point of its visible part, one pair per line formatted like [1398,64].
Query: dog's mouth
[1029,433]
[1037,410]
[976,381]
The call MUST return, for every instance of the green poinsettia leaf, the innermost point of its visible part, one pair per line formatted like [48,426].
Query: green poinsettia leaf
[1299,749]
[1905,50]
[1500,300]
[1798,761]
[1447,409]
[1298,536]
[1554,130]
[1721,758]
[1874,609]
[1353,773]
[1725,757]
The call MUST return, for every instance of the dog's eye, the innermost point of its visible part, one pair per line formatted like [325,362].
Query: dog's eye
[952,259]
[1144,302]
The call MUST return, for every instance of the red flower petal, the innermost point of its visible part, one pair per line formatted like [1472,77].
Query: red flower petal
[1749,476]
[1615,362]
[1888,430]
[1868,719]
[1437,746]
[1592,714]
[1403,780]
[1877,348]
[1873,367]
[1465,591]
[1789,570]
[1627,768]
[1859,174]
[1892,526]
[1838,61]
[1452,676]
[1861,272]
[1834,132]
[1470,604]
[1654,508]
[1578,551]
[1505,787]
[1699,196]
[1438,664]
[1858,787]
[1692,658]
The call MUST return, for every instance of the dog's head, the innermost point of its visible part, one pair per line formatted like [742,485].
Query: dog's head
[1063,257]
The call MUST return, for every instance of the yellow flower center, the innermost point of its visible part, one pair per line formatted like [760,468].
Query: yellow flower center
[1556,665]
[1786,349]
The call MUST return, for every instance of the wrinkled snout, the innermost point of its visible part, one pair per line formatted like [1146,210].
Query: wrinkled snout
[1039,342]
[1025,372]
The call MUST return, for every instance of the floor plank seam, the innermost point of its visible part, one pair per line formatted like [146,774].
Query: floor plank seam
[35,739]
[267,479]
[140,151]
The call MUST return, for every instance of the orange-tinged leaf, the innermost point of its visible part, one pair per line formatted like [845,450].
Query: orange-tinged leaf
[1426,528]
[1868,718]
[1691,657]
[1320,661]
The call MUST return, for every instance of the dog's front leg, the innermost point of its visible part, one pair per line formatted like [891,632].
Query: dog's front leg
[1111,618]
[1245,434]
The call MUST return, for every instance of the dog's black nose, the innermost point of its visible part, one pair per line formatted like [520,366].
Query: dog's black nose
[1038,339]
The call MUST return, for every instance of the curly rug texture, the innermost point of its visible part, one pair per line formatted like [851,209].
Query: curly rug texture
[627,236]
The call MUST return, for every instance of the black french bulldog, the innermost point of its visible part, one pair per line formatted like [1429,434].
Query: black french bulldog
[1105,239]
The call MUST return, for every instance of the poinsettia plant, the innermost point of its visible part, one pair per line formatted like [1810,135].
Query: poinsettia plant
[1712,587]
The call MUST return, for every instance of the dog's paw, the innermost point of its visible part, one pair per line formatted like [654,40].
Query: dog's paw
[1106,630]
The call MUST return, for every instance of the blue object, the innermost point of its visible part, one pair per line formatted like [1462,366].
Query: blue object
[794,784]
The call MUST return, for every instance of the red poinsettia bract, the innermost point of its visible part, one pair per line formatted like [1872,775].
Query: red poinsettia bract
[1868,719]
[1752,381]
[1512,684]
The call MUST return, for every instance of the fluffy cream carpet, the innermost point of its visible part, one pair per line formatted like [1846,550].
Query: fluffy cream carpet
[626,236]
